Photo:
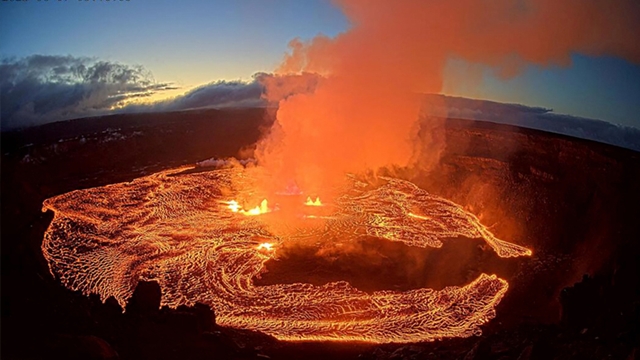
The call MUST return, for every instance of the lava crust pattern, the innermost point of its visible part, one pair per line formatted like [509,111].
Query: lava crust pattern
[175,228]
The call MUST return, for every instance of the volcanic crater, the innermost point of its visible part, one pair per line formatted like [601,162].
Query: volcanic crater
[571,201]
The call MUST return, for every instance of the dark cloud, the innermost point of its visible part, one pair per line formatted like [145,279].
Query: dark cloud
[236,93]
[40,88]
[216,94]
[43,88]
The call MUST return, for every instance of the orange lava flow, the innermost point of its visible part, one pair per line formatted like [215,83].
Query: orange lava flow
[182,231]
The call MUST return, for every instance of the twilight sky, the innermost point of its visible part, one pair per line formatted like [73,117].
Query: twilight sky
[190,43]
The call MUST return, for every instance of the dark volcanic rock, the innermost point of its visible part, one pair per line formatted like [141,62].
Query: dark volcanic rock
[81,348]
[145,300]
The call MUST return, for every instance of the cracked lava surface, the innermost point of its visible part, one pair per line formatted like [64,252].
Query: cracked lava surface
[178,229]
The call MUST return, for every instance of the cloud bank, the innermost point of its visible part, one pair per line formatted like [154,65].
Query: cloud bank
[43,88]
[215,94]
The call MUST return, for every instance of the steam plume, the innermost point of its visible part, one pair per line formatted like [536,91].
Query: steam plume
[362,112]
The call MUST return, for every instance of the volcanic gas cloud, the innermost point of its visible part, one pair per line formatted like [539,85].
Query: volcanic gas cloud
[361,113]
[346,105]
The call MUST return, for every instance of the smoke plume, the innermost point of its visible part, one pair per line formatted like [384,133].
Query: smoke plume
[362,111]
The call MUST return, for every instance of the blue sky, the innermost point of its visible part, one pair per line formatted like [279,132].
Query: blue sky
[193,42]
[189,41]
[604,88]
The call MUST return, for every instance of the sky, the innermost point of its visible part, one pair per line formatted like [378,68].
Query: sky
[605,88]
[190,43]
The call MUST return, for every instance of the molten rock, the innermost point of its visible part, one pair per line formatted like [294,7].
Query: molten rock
[178,230]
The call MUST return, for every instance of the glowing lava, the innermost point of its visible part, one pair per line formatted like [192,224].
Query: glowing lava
[265,246]
[310,202]
[258,210]
[178,230]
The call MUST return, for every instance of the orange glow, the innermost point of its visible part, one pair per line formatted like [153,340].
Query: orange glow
[266,246]
[310,202]
[418,216]
[318,217]
[263,208]
[163,228]
[233,205]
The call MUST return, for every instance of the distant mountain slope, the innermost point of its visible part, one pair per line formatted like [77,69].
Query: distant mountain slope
[433,105]
[532,118]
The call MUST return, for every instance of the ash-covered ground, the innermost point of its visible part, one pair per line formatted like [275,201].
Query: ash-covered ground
[573,202]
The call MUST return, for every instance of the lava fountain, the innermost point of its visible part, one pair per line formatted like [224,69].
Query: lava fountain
[191,233]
